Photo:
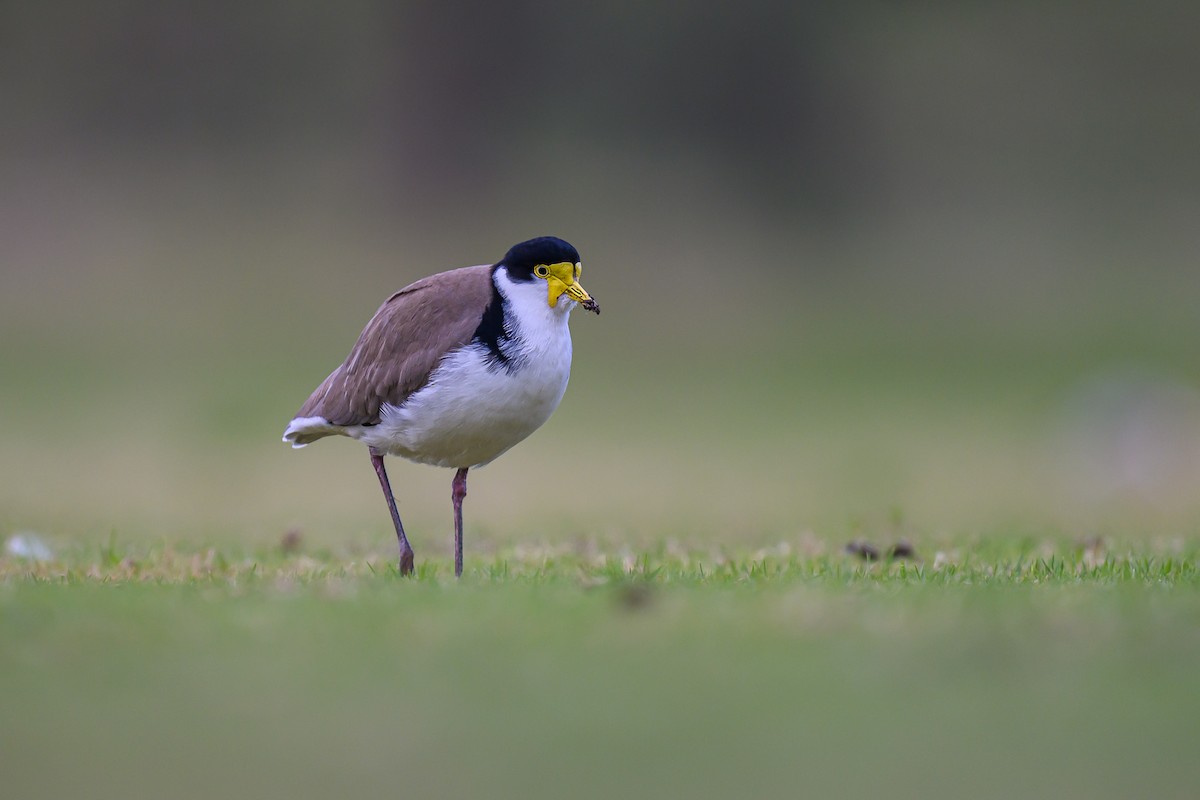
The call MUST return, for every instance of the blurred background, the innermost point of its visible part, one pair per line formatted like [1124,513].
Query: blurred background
[926,270]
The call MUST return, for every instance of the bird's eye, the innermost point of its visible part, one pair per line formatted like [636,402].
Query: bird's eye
[541,270]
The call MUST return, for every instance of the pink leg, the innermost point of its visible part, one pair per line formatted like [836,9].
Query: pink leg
[406,551]
[459,491]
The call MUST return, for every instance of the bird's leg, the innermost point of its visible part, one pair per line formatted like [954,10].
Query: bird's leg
[459,491]
[406,551]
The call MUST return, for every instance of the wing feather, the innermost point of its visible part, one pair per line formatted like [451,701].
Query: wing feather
[402,344]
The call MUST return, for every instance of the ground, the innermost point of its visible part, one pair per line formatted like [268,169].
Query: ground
[1008,668]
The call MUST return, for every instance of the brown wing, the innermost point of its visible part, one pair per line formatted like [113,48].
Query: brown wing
[401,346]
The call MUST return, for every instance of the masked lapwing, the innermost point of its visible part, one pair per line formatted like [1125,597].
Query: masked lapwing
[455,369]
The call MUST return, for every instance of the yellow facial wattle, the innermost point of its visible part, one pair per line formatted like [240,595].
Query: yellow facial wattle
[562,278]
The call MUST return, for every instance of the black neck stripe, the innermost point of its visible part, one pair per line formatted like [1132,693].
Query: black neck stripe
[491,331]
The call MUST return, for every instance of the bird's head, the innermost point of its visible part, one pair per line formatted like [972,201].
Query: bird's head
[554,261]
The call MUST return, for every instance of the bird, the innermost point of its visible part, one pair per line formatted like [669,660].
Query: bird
[455,369]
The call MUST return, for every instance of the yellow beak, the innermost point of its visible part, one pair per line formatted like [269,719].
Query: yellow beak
[561,280]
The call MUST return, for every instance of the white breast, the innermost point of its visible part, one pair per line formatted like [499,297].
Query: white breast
[471,411]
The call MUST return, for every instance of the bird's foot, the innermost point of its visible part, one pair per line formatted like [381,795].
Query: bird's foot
[406,562]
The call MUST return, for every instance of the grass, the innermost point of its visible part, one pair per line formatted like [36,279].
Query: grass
[1020,561]
[997,668]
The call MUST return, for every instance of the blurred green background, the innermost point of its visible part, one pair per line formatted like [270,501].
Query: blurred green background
[867,269]
[863,267]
